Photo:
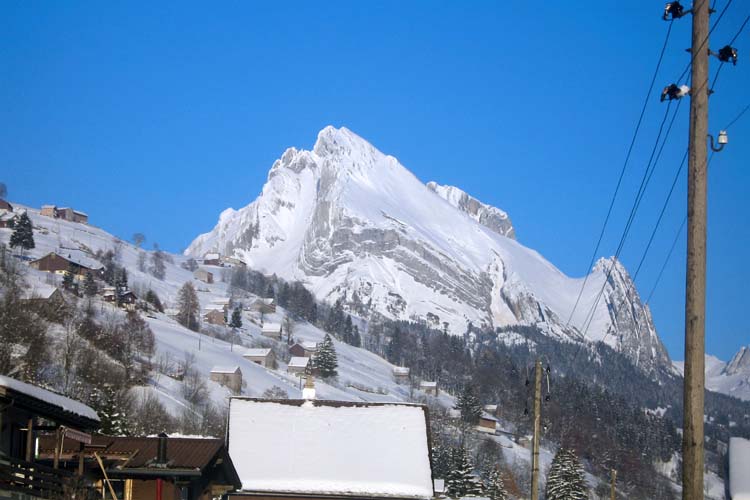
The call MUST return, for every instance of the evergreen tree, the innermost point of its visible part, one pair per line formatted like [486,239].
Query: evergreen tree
[469,405]
[68,281]
[153,299]
[108,404]
[565,480]
[89,285]
[356,338]
[188,307]
[236,321]
[461,481]
[395,347]
[441,461]
[23,233]
[325,358]
[495,487]
[348,330]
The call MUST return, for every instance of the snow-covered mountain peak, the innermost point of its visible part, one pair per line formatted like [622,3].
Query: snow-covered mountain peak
[354,224]
[740,362]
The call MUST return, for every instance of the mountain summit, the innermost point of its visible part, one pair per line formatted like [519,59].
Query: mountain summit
[354,224]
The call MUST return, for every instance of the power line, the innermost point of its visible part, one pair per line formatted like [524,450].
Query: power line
[721,65]
[661,214]
[744,110]
[666,261]
[622,171]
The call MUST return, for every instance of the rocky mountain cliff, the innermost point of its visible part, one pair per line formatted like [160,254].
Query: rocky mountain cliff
[353,224]
[731,378]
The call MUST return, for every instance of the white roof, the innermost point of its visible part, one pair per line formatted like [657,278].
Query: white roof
[257,352]
[309,345]
[739,468]
[40,291]
[490,408]
[79,257]
[330,448]
[299,361]
[487,416]
[221,300]
[214,307]
[401,370]
[425,383]
[272,327]
[67,404]
[225,369]
[211,256]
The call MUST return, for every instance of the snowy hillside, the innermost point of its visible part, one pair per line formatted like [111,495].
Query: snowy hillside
[363,376]
[352,223]
[732,378]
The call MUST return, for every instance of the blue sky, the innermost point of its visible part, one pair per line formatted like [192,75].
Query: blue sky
[154,117]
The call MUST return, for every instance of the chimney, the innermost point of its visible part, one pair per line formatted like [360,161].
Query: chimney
[308,392]
[161,455]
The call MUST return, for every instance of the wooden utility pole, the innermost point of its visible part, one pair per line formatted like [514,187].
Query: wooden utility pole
[537,430]
[695,293]
[612,484]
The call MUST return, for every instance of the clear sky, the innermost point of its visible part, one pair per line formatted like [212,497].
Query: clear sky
[155,116]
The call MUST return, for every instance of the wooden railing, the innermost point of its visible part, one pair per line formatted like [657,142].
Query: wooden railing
[34,479]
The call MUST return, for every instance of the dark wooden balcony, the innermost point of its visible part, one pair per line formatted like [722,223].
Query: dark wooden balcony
[35,480]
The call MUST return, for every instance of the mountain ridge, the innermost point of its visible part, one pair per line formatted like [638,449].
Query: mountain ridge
[348,220]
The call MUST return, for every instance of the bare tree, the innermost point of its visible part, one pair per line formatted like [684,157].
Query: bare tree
[138,239]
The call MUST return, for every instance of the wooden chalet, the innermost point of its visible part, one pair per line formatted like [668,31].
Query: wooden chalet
[212,259]
[7,219]
[429,387]
[124,298]
[67,260]
[401,374]
[148,468]
[65,213]
[304,349]
[263,305]
[25,410]
[321,450]
[262,357]
[4,205]
[487,423]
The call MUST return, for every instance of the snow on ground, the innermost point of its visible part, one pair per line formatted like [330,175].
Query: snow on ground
[736,384]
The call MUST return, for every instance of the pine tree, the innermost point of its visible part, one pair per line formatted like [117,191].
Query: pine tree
[495,487]
[236,321]
[469,405]
[325,358]
[188,307]
[68,281]
[461,481]
[23,233]
[153,299]
[89,285]
[565,480]
[108,404]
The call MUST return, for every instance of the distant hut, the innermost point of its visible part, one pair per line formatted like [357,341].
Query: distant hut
[204,276]
[262,357]
[272,331]
[297,365]
[428,387]
[228,376]
[401,374]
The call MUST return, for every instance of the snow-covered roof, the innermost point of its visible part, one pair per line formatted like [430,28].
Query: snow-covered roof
[211,256]
[221,300]
[40,291]
[225,369]
[330,448]
[78,257]
[401,370]
[739,468]
[272,327]
[257,352]
[490,408]
[309,345]
[428,384]
[487,416]
[214,307]
[299,361]
[49,397]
